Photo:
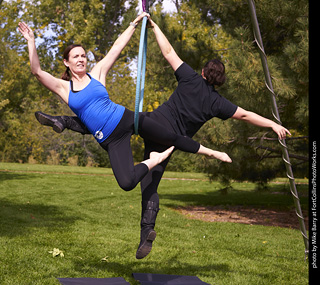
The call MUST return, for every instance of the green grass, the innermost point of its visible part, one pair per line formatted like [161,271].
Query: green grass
[84,213]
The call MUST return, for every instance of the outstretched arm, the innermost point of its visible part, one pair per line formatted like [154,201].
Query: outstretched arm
[101,69]
[165,47]
[54,84]
[260,121]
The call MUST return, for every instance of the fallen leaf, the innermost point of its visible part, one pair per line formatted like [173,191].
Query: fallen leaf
[56,252]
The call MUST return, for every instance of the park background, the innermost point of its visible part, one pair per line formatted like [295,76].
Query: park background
[199,31]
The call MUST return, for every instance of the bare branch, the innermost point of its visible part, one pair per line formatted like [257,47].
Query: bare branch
[275,139]
[272,150]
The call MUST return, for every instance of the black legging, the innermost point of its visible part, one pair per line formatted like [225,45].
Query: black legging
[119,150]
[150,183]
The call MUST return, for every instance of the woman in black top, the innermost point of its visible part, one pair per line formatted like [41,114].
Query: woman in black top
[194,102]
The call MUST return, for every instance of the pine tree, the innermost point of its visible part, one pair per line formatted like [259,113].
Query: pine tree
[202,30]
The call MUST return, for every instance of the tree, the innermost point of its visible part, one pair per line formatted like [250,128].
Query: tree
[286,45]
[57,23]
[201,30]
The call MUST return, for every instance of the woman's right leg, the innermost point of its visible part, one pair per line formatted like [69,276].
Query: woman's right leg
[150,183]
[59,123]
[149,186]
[150,201]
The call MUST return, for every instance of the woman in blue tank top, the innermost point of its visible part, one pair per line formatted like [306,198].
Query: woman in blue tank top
[112,125]
[186,122]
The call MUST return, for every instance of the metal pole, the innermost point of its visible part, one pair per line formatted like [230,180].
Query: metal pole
[275,113]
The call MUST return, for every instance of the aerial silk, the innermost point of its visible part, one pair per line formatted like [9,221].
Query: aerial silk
[142,58]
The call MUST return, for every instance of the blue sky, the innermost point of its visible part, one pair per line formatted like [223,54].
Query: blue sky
[167,6]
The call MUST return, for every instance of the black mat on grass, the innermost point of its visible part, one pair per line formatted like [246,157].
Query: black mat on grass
[163,279]
[93,281]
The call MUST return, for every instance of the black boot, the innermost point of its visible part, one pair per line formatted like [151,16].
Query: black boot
[59,123]
[149,213]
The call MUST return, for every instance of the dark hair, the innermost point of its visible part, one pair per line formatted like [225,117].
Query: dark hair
[214,72]
[66,75]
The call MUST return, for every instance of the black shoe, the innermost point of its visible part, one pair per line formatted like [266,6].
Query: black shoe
[145,245]
[55,122]
[149,214]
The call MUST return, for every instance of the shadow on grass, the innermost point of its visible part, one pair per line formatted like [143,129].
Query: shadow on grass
[13,176]
[172,266]
[20,218]
[273,198]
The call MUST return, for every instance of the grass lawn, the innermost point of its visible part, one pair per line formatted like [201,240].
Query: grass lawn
[82,212]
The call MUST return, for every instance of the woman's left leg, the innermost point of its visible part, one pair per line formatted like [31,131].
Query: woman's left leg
[120,155]
[119,150]
[149,129]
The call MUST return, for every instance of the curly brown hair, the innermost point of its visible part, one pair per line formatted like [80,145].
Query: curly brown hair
[214,72]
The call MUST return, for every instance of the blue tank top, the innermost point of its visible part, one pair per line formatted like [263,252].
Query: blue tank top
[94,108]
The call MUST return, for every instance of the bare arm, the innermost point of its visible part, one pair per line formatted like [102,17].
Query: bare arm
[55,85]
[165,47]
[101,69]
[257,120]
